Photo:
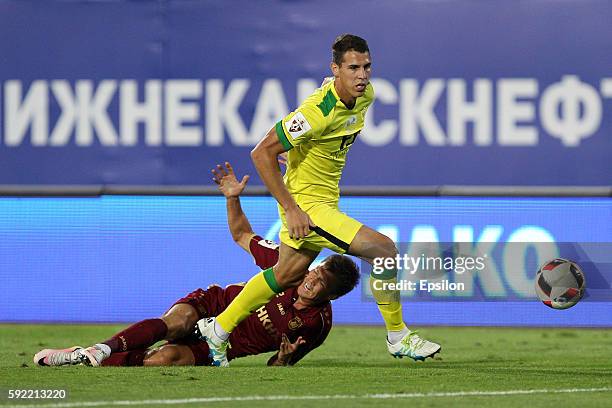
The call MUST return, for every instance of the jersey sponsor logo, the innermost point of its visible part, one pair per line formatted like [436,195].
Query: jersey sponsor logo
[350,121]
[264,319]
[281,309]
[295,323]
[297,125]
[124,345]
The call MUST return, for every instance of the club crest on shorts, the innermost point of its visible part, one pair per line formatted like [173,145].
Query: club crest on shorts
[295,323]
[297,125]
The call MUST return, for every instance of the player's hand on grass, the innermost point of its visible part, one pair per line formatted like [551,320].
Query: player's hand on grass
[287,349]
[227,181]
[298,223]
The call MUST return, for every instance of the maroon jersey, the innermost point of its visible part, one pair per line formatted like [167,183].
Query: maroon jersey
[264,252]
[261,331]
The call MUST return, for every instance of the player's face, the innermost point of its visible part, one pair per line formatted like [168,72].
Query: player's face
[353,74]
[316,286]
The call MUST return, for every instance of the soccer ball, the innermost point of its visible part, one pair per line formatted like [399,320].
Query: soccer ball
[559,283]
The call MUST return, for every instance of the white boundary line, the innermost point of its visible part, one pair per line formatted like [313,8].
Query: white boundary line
[308,397]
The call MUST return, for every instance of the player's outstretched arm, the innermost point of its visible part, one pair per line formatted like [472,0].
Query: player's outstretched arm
[231,188]
[286,351]
[264,157]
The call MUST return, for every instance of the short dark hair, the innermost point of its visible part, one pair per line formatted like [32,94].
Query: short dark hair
[347,42]
[344,273]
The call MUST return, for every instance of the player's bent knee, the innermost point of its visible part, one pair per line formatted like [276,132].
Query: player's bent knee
[289,283]
[158,358]
[380,245]
[180,320]
[169,353]
[292,266]
[370,244]
[387,246]
[287,278]
[166,355]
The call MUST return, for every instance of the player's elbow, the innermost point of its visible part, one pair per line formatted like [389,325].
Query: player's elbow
[259,153]
[255,154]
[238,236]
[243,239]
[267,149]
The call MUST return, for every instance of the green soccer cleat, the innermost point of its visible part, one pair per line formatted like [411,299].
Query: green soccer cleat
[205,330]
[413,346]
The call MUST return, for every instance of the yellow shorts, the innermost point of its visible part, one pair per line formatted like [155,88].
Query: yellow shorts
[334,229]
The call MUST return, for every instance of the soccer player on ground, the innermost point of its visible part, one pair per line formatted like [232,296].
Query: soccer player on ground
[294,323]
[317,137]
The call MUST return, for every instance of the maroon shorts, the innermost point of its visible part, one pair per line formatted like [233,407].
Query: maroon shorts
[208,303]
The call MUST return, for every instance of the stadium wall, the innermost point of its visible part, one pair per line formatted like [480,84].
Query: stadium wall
[125,258]
[154,93]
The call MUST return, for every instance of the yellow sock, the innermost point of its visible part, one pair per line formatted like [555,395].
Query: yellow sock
[389,304]
[257,292]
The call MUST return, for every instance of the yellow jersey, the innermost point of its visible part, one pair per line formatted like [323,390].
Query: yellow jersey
[318,136]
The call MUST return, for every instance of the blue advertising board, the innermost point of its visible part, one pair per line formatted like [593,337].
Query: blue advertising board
[157,92]
[126,258]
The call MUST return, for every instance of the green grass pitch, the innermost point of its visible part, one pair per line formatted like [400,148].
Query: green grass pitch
[475,364]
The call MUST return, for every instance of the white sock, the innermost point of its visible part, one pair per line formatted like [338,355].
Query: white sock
[104,348]
[396,336]
[220,332]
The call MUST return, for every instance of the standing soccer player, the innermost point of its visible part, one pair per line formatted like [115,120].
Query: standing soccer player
[317,137]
